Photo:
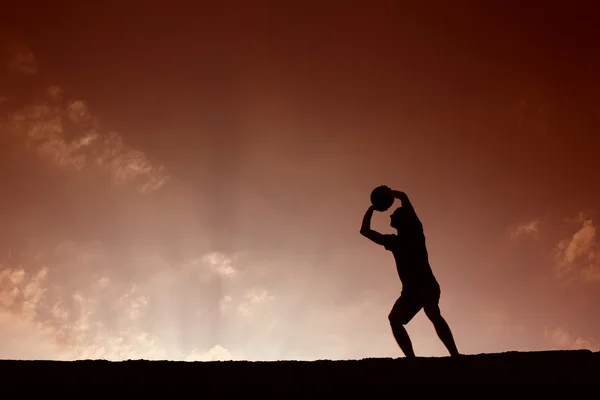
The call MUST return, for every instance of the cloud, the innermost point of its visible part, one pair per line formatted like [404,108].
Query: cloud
[97,315]
[21,293]
[216,353]
[560,339]
[65,298]
[578,256]
[67,134]
[76,325]
[220,264]
[531,228]
[184,310]
[250,302]
[21,339]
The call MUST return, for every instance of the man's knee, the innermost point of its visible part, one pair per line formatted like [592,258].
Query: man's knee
[433,313]
[398,317]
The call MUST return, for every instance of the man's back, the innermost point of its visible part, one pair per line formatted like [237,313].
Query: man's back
[412,260]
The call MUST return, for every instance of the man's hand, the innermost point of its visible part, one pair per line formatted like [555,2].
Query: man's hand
[397,194]
[406,203]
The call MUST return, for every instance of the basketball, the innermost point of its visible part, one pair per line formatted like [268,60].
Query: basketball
[381,198]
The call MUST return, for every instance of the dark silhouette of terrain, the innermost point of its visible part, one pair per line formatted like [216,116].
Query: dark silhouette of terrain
[579,366]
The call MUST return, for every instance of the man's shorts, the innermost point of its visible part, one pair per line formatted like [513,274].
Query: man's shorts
[412,300]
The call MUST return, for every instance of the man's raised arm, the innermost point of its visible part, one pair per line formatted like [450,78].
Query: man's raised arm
[406,204]
[366,230]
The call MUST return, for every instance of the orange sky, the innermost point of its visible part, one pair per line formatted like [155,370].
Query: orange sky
[185,182]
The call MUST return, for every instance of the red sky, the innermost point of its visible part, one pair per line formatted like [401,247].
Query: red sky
[188,182]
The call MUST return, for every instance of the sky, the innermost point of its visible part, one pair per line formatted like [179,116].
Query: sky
[187,182]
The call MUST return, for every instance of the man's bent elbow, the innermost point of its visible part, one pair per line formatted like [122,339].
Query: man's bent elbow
[368,233]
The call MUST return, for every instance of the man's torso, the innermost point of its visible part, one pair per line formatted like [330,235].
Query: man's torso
[412,260]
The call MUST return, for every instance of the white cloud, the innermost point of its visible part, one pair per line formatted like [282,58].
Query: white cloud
[220,264]
[578,256]
[259,296]
[133,303]
[21,339]
[20,292]
[89,322]
[67,134]
[249,302]
[560,339]
[225,304]
[531,228]
[94,314]
[216,353]
[253,300]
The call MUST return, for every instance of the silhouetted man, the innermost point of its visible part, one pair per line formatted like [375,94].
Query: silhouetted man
[420,289]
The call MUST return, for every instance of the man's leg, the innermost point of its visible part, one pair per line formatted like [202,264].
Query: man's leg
[432,310]
[402,312]
[403,340]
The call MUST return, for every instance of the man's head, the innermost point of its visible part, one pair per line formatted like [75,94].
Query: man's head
[404,221]
[398,218]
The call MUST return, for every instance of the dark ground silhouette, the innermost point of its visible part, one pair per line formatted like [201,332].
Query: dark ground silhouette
[420,289]
[581,366]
